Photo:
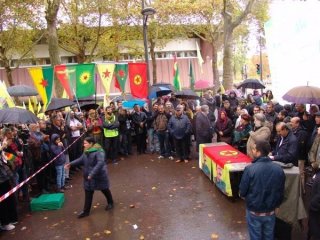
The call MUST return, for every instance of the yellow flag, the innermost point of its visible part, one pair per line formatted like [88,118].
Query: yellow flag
[106,101]
[4,94]
[222,90]
[24,105]
[106,74]
[30,106]
[39,82]
[39,107]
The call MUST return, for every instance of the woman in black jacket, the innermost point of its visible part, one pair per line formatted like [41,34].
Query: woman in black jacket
[95,175]
[8,209]
[314,209]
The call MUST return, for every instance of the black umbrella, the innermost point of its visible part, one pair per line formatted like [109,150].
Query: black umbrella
[188,93]
[57,103]
[252,83]
[22,91]
[167,85]
[158,91]
[88,105]
[17,116]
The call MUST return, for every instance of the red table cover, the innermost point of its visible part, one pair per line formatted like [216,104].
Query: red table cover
[225,154]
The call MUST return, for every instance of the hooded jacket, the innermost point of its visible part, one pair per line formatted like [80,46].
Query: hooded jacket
[56,150]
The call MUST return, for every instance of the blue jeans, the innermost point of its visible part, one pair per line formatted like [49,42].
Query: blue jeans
[153,143]
[60,176]
[163,137]
[260,228]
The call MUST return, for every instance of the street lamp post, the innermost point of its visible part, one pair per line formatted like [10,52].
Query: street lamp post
[146,12]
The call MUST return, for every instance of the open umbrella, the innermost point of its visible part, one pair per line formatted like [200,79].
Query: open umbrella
[57,103]
[158,91]
[252,83]
[202,84]
[88,105]
[167,85]
[17,116]
[303,95]
[131,103]
[188,94]
[22,91]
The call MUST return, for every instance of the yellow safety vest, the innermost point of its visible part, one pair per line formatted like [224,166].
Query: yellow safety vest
[108,133]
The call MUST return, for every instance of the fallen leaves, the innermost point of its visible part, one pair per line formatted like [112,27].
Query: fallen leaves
[141,237]
[153,188]
[132,206]
[108,232]
[214,236]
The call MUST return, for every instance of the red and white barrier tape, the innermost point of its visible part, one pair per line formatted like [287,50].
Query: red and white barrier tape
[13,190]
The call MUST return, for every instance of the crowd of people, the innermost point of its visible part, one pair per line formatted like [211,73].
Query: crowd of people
[170,127]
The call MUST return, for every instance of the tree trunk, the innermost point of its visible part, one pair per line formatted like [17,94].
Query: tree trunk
[51,18]
[154,63]
[227,61]
[215,71]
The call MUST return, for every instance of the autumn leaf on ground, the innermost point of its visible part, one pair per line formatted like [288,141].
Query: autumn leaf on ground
[210,215]
[214,236]
[23,228]
[97,234]
[154,188]
[107,232]
[193,167]
[87,238]
[132,206]
[138,190]
[141,237]
[45,218]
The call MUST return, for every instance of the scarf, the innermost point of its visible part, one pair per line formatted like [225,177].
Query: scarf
[95,148]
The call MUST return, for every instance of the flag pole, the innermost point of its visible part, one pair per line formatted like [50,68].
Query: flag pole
[95,89]
[74,94]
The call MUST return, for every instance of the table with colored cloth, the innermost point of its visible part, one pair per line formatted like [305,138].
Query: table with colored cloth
[224,166]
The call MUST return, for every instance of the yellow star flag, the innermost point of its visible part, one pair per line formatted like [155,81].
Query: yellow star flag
[39,107]
[106,74]
[30,107]
[39,82]
[5,95]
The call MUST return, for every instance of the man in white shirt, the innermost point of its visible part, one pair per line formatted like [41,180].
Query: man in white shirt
[75,126]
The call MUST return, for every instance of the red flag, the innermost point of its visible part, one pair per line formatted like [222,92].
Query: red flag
[63,75]
[138,79]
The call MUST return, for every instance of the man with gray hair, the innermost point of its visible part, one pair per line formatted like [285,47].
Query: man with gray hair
[204,130]
[260,132]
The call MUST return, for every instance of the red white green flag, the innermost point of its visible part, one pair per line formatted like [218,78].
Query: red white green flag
[65,74]
[138,80]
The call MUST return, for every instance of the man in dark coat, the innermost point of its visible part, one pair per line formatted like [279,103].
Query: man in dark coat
[287,145]
[204,129]
[262,187]
[314,209]
[95,175]
[302,137]
[139,119]
[179,127]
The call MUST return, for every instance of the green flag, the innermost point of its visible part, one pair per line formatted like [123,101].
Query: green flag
[121,74]
[176,75]
[85,80]
[191,76]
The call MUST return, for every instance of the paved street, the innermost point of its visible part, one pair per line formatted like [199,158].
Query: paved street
[154,199]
